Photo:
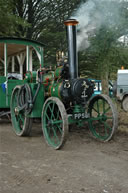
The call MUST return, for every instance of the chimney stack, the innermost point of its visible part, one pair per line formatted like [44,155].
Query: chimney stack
[72,47]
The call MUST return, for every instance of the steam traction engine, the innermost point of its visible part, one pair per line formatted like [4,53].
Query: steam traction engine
[61,98]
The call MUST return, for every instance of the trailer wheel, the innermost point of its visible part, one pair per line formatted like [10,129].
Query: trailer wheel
[54,122]
[124,104]
[103,120]
[21,123]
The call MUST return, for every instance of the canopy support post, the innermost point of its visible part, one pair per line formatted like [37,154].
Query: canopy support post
[13,64]
[27,50]
[5,59]
[30,63]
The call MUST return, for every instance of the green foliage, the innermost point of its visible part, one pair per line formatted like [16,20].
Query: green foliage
[53,34]
[8,21]
[106,54]
[44,21]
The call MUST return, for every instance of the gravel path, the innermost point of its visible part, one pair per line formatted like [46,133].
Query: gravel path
[28,165]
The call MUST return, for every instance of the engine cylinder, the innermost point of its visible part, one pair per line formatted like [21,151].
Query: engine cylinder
[75,90]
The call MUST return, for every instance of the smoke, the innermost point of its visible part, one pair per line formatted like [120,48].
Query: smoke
[91,15]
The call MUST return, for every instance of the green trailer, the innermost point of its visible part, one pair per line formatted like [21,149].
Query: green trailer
[16,58]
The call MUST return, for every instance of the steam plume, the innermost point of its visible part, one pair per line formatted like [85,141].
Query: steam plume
[91,15]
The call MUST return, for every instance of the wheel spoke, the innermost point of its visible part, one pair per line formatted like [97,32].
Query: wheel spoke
[106,133]
[108,109]
[17,118]
[109,118]
[47,116]
[103,105]
[95,110]
[51,110]
[21,118]
[48,130]
[56,122]
[60,129]
[97,107]
[55,135]
[58,113]
[108,126]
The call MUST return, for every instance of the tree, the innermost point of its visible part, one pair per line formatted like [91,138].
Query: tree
[42,21]
[54,34]
[9,22]
[33,12]
[111,23]
[38,14]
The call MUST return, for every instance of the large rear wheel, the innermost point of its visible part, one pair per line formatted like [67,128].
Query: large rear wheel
[22,124]
[54,122]
[103,120]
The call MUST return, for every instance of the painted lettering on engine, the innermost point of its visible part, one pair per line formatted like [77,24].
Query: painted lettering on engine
[81,115]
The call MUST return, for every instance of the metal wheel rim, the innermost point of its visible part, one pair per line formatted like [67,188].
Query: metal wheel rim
[104,118]
[54,122]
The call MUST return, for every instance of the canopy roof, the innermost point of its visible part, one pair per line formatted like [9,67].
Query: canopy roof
[17,45]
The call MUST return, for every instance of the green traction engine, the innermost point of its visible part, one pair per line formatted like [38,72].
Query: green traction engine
[60,99]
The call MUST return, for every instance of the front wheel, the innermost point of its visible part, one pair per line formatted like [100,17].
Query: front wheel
[54,122]
[103,117]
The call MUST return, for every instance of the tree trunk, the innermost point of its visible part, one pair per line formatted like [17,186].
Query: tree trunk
[104,79]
